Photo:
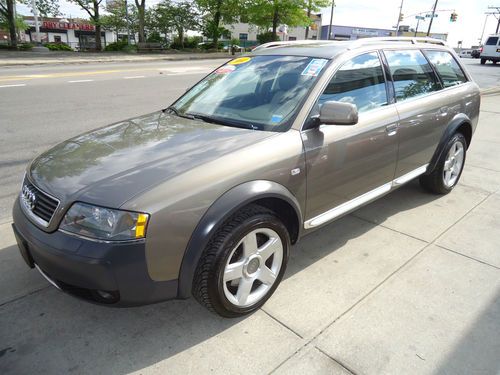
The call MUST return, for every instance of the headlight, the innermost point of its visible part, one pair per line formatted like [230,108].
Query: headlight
[104,223]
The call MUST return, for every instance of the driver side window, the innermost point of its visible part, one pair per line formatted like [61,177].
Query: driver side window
[359,81]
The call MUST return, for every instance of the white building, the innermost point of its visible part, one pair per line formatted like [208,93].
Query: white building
[247,33]
[78,34]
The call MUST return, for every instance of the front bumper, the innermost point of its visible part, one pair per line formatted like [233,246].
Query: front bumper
[103,272]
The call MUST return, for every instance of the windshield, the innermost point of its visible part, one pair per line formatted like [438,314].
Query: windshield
[259,92]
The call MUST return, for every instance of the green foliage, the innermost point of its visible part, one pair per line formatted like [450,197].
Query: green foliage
[116,46]
[26,46]
[46,8]
[267,37]
[58,47]
[21,25]
[272,13]
[190,42]
[217,12]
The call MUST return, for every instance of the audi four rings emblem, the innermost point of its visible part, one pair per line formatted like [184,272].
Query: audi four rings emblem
[29,198]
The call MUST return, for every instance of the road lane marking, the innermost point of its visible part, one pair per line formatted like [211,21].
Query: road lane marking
[134,77]
[81,80]
[16,85]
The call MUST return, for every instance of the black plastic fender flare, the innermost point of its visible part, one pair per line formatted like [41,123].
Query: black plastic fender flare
[451,129]
[226,205]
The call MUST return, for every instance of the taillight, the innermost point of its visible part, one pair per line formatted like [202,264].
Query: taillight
[481,50]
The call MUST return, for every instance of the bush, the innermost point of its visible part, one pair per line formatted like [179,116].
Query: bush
[209,46]
[58,47]
[117,46]
[191,42]
[25,46]
[266,37]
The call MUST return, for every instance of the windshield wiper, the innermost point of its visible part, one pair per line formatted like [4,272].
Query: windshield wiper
[176,112]
[215,120]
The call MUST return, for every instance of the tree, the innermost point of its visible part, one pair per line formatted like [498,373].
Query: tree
[116,17]
[217,12]
[180,17]
[92,9]
[315,6]
[7,17]
[272,13]
[141,11]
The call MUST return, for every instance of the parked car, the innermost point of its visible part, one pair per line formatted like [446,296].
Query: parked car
[491,49]
[206,197]
[465,53]
[236,48]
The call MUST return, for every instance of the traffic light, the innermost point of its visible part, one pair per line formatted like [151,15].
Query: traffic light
[401,17]
[453,17]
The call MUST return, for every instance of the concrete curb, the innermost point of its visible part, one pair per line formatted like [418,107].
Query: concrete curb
[118,59]
[490,91]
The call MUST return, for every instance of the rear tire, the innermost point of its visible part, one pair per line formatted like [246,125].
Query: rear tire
[243,263]
[483,61]
[449,167]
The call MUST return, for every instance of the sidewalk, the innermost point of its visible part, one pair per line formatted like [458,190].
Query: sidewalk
[25,58]
[409,284]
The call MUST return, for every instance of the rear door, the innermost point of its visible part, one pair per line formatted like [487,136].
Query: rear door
[423,114]
[346,164]
[491,48]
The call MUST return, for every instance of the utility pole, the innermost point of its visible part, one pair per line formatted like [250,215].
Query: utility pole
[432,17]
[330,25]
[399,17]
[37,25]
[497,16]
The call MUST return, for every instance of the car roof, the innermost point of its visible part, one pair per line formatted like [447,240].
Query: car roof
[330,48]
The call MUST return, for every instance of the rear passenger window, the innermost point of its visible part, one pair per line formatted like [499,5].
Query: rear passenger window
[359,81]
[411,73]
[492,41]
[447,68]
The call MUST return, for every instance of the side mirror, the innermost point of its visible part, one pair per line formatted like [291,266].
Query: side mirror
[338,113]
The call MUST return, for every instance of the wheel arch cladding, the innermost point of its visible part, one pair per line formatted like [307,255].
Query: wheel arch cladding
[460,123]
[266,193]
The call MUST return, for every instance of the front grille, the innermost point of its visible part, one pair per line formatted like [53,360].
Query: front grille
[38,203]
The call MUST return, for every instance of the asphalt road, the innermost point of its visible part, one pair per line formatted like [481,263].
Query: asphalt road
[41,106]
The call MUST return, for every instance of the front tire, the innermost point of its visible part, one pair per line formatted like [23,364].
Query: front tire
[243,263]
[483,61]
[449,167]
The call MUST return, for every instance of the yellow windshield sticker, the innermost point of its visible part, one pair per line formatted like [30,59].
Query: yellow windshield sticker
[240,60]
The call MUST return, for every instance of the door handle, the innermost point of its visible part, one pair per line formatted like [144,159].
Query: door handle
[391,129]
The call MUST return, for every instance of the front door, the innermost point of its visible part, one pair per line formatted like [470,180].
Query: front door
[350,165]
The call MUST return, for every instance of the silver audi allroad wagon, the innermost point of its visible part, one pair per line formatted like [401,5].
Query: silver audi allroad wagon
[206,197]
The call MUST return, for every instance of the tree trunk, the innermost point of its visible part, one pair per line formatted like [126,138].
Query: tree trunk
[275,23]
[180,34]
[309,17]
[97,20]
[141,9]
[217,17]
[12,23]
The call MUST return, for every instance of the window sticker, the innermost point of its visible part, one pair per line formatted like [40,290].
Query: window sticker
[276,118]
[314,67]
[225,69]
[239,60]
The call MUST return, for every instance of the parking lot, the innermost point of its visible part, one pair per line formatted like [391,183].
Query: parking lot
[409,284]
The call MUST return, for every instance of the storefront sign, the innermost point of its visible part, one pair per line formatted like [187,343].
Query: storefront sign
[68,26]
[366,32]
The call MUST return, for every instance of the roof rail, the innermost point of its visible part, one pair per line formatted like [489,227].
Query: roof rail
[290,43]
[413,40]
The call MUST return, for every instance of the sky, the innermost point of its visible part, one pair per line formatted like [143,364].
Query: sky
[384,14]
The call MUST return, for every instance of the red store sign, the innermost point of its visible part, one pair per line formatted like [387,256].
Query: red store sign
[68,26]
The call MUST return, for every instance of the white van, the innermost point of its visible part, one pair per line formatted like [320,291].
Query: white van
[491,49]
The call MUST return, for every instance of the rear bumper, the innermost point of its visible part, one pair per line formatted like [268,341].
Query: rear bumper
[102,272]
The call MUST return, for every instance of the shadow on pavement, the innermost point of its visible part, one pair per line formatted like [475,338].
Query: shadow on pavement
[50,332]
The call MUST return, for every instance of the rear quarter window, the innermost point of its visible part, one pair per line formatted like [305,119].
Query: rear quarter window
[492,41]
[411,73]
[447,67]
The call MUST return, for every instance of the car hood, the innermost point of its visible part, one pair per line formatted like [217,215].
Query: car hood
[110,165]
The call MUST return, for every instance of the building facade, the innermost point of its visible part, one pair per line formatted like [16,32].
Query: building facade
[356,32]
[78,34]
